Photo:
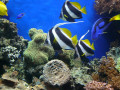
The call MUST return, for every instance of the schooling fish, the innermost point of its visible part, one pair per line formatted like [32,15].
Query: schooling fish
[84,48]
[20,15]
[71,11]
[3,9]
[61,38]
[101,25]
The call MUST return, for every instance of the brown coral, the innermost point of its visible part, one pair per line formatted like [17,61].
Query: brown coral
[108,73]
[94,85]
[107,6]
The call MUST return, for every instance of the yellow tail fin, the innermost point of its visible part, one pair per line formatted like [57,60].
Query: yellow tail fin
[83,10]
[92,46]
[74,40]
[116,17]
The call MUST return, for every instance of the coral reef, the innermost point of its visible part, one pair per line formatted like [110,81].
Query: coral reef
[114,53]
[118,64]
[81,75]
[115,43]
[37,53]
[11,52]
[56,72]
[9,81]
[67,56]
[107,6]
[94,85]
[7,29]
[108,73]
[11,44]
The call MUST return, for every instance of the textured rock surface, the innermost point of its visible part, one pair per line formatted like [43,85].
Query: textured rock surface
[56,72]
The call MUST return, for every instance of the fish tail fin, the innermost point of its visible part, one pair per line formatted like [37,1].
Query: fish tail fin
[2,3]
[84,35]
[92,46]
[59,24]
[74,40]
[6,14]
[116,17]
[83,10]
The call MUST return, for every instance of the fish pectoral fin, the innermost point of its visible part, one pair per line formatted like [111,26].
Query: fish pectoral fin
[103,33]
[92,46]
[83,10]
[55,41]
[83,54]
[65,16]
[116,17]
[76,4]
[74,40]
[66,31]
[118,31]
[86,41]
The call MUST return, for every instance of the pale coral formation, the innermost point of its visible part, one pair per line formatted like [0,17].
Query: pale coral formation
[94,85]
[118,64]
[107,6]
[80,75]
[56,72]
[114,53]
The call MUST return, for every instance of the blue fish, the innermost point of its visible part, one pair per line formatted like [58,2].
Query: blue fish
[20,15]
[101,25]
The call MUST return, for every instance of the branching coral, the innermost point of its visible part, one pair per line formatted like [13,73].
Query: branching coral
[107,6]
[108,73]
[94,85]
[56,72]
[10,52]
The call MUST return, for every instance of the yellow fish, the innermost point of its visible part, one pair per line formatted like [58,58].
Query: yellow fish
[3,9]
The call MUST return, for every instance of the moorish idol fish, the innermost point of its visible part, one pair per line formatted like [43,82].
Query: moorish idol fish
[61,38]
[71,11]
[3,9]
[84,48]
[101,25]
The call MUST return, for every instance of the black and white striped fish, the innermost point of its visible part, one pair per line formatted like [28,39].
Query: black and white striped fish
[71,11]
[61,38]
[84,48]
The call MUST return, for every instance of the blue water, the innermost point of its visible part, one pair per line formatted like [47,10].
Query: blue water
[44,14]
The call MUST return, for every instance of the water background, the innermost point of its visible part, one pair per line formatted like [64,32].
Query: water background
[44,14]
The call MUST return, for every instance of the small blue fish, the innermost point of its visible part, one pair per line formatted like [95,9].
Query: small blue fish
[101,25]
[20,15]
